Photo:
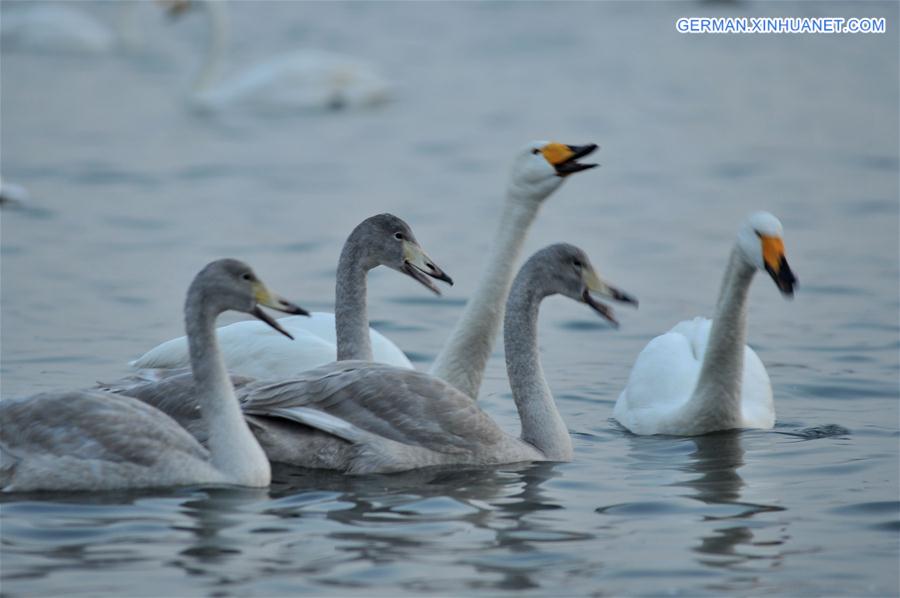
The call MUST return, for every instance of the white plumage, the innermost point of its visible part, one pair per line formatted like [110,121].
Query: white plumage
[54,29]
[252,350]
[300,80]
[701,377]
[666,372]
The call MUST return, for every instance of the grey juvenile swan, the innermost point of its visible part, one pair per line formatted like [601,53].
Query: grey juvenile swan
[92,440]
[249,348]
[364,417]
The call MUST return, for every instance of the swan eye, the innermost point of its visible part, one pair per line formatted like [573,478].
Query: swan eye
[535,151]
[398,236]
[758,234]
[247,276]
[577,263]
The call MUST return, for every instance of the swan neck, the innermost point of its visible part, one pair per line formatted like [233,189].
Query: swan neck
[718,391]
[351,317]
[542,425]
[233,449]
[463,359]
[217,41]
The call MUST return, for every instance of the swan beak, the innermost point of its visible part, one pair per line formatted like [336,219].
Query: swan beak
[267,298]
[595,284]
[419,266]
[564,158]
[777,266]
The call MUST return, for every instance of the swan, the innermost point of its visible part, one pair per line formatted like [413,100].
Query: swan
[250,350]
[700,377]
[12,194]
[91,440]
[363,417]
[301,80]
[538,170]
[54,28]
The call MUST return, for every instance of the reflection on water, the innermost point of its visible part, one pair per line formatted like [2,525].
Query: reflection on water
[717,459]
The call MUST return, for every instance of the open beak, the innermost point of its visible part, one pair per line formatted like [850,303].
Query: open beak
[777,266]
[419,266]
[593,284]
[266,298]
[564,158]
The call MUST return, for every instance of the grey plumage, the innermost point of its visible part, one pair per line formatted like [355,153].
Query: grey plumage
[363,417]
[383,239]
[95,440]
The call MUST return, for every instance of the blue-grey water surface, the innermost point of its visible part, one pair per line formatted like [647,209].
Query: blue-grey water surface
[132,193]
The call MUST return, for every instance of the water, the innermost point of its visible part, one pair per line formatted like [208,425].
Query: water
[132,194]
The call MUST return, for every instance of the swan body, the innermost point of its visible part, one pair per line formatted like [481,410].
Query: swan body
[362,417]
[666,372]
[252,349]
[701,377]
[93,440]
[300,80]
[12,194]
[52,28]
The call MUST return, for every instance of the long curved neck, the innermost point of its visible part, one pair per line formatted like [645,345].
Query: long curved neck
[717,395]
[464,357]
[217,21]
[351,317]
[233,448]
[542,425]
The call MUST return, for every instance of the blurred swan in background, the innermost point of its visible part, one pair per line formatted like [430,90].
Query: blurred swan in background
[12,194]
[301,80]
[700,376]
[54,28]
[362,417]
[92,440]
[250,349]
[58,28]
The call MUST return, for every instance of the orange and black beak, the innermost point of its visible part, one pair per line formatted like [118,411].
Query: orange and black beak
[776,264]
[564,158]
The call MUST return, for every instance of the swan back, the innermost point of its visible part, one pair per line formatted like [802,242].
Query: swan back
[53,29]
[665,376]
[89,440]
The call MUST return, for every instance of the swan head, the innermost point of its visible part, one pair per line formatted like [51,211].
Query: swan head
[386,240]
[541,167]
[567,270]
[230,284]
[761,242]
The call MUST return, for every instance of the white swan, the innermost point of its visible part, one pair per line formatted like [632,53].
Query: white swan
[301,80]
[12,194]
[364,417]
[91,440]
[700,376]
[54,28]
[250,350]
[538,170]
